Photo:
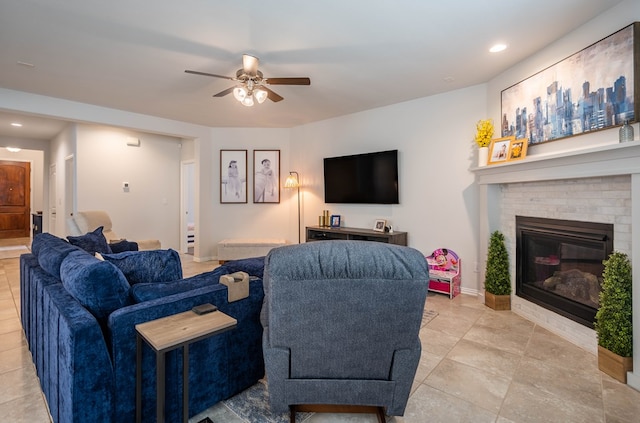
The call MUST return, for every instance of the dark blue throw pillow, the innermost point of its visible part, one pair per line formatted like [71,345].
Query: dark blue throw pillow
[147,266]
[98,285]
[92,242]
[123,245]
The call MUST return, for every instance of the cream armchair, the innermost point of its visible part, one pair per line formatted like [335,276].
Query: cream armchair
[86,221]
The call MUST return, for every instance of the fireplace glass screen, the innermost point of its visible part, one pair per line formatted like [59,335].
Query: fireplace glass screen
[559,264]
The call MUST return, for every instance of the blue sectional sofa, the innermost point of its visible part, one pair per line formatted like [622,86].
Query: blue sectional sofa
[79,316]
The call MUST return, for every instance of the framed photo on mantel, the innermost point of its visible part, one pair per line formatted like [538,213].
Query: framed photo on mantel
[499,150]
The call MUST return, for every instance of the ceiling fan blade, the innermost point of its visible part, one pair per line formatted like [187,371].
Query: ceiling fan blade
[288,81]
[209,74]
[250,64]
[273,96]
[225,92]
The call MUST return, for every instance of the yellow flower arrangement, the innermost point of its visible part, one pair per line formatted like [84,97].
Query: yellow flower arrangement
[485,132]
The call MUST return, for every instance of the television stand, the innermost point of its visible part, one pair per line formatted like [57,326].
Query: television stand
[320,233]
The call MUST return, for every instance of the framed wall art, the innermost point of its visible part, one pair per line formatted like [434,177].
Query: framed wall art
[233,176]
[266,176]
[594,89]
[499,150]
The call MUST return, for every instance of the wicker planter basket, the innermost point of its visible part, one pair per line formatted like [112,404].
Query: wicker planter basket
[614,365]
[497,302]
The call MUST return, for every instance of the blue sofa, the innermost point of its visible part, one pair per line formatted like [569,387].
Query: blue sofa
[85,355]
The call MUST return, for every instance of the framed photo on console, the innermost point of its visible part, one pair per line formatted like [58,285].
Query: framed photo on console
[379,225]
[233,176]
[266,176]
[335,221]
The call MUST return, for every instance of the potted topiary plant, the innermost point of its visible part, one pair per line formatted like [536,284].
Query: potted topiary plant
[497,279]
[613,319]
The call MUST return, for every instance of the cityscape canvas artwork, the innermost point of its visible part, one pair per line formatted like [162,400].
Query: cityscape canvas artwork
[591,90]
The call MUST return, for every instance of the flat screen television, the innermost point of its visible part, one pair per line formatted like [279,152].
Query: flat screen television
[370,178]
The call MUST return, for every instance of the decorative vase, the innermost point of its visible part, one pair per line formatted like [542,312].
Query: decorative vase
[614,365]
[483,155]
[626,132]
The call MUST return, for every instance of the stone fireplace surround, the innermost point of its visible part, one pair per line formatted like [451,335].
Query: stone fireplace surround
[594,184]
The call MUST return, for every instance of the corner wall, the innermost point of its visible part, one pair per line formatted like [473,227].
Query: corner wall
[438,197]
[240,220]
[150,207]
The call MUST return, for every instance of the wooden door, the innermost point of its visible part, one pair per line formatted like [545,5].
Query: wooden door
[15,199]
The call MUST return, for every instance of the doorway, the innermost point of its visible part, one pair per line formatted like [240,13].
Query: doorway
[69,189]
[15,199]
[187,221]
[53,181]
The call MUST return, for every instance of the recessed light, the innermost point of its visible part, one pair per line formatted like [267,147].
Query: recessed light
[13,149]
[498,47]
[16,124]
[26,64]
[449,79]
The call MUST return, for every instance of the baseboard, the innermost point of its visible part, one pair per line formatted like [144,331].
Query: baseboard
[204,259]
[469,291]
[633,380]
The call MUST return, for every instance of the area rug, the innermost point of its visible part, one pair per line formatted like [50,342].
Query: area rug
[250,406]
[13,251]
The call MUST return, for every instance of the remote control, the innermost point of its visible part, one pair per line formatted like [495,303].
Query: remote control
[204,308]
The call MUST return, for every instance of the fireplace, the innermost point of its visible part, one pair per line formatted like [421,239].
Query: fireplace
[559,264]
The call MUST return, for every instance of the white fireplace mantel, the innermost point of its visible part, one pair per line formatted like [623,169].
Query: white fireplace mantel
[606,160]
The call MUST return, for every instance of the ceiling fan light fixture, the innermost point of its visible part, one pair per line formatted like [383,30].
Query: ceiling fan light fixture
[240,93]
[260,95]
[251,84]
[247,101]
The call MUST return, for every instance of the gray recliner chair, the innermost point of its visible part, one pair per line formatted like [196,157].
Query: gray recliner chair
[341,322]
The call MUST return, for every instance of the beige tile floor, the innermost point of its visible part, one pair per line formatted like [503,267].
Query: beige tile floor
[477,366]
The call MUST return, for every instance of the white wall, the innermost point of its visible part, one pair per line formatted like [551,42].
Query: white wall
[64,144]
[434,137]
[240,220]
[150,208]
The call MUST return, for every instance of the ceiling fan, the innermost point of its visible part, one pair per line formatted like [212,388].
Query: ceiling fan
[252,84]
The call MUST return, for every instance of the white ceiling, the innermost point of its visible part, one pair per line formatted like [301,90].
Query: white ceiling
[359,54]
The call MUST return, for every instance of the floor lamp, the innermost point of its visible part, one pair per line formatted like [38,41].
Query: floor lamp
[294,182]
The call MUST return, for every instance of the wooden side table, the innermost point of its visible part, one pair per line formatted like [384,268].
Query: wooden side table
[166,334]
